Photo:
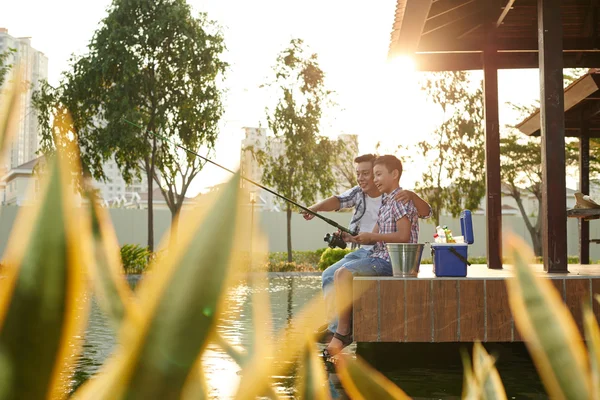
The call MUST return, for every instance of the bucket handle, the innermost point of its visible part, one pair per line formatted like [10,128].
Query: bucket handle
[456,253]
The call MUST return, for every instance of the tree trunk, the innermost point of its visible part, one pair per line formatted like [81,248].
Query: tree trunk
[534,231]
[174,225]
[289,232]
[150,174]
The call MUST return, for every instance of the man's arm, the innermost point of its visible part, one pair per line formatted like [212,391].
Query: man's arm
[423,208]
[330,204]
[401,236]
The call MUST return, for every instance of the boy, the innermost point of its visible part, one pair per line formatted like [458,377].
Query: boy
[366,199]
[396,223]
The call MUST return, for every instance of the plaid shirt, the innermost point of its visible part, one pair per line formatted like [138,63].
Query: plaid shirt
[355,197]
[389,213]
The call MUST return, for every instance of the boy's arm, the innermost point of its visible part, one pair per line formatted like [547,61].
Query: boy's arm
[401,236]
[423,208]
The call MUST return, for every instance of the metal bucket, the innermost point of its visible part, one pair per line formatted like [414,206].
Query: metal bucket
[405,258]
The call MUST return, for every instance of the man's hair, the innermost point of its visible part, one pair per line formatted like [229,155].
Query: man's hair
[391,163]
[365,158]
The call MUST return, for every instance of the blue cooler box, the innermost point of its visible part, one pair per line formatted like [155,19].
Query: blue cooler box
[450,259]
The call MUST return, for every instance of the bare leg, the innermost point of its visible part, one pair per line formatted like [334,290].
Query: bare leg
[343,297]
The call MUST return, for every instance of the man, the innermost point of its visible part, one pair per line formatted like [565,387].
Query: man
[397,222]
[366,200]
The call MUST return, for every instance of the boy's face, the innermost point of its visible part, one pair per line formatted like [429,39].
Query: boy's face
[364,175]
[385,180]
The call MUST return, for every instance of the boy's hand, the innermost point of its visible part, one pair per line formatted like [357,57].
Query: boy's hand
[404,196]
[308,216]
[364,238]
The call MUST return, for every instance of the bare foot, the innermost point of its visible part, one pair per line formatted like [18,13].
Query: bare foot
[335,346]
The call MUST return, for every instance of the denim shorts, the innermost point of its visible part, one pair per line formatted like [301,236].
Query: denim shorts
[370,266]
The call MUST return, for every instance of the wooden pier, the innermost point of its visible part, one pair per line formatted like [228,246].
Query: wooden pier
[431,309]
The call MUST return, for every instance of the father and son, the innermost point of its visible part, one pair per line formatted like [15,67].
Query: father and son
[383,213]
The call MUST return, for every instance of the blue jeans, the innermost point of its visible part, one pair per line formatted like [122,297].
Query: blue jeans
[329,290]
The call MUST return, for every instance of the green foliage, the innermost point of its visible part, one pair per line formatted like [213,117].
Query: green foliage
[4,65]
[299,257]
[298,160]
[135,258]
[161,70]
[454,179]
[331,256]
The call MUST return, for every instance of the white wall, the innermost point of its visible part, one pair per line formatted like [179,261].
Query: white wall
[131,227]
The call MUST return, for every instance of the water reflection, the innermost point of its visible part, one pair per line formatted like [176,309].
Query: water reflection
[423,371]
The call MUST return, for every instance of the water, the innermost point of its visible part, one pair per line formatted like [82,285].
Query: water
[424,371]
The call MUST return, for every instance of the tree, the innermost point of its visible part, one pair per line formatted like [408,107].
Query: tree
[298,161]
[344,167]
[5,66]
[454,178]
[521,164]
[154,64]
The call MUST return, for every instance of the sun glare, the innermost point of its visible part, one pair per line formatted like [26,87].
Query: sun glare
[403,64]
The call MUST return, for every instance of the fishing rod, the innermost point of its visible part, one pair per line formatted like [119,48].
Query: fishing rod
[329,221]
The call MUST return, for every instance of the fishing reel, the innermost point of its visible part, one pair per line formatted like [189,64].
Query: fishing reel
[335,240]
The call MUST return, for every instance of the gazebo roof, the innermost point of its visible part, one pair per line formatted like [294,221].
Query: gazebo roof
[451,34]
[582,102]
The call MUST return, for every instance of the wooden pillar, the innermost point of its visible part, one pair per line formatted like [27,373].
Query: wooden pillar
[492,143]
[554,205]
[584,187]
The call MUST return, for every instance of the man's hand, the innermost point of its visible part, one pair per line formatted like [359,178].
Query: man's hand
[308,216]
[364,238]
[348,238]
[404,196]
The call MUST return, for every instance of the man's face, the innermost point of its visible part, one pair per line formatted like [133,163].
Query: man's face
[364,175]
[384,179]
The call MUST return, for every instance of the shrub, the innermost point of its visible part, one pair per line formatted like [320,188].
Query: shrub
[331,256]
[135,258]
[310,257]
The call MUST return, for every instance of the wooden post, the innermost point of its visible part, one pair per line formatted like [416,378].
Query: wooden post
[554,205]
[584,187]
[492,143]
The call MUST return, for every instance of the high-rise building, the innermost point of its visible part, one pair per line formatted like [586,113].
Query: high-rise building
[33,65]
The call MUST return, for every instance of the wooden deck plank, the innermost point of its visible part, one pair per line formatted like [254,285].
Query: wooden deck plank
[418,311]
[472,311]
[576,292]
[445,311]
[365,312]
[498,316]
[453,309]
[595,291]
[393,309]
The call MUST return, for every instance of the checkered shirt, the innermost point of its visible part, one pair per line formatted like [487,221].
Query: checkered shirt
[389,213]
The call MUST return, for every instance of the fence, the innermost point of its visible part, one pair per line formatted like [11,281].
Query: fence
[131,227]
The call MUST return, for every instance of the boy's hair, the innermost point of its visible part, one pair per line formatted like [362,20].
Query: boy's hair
[365,158]
[391,163]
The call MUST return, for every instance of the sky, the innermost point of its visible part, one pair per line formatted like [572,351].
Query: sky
[377,100]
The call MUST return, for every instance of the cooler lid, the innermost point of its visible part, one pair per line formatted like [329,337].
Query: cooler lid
[466,226]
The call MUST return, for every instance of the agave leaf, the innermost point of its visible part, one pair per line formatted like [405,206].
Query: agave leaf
[471,388]
[288,347]
[179,306]
[313,380]
[106,273]
[361,381]
[592,336]
[42,299]
[548,330]
[487,374]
